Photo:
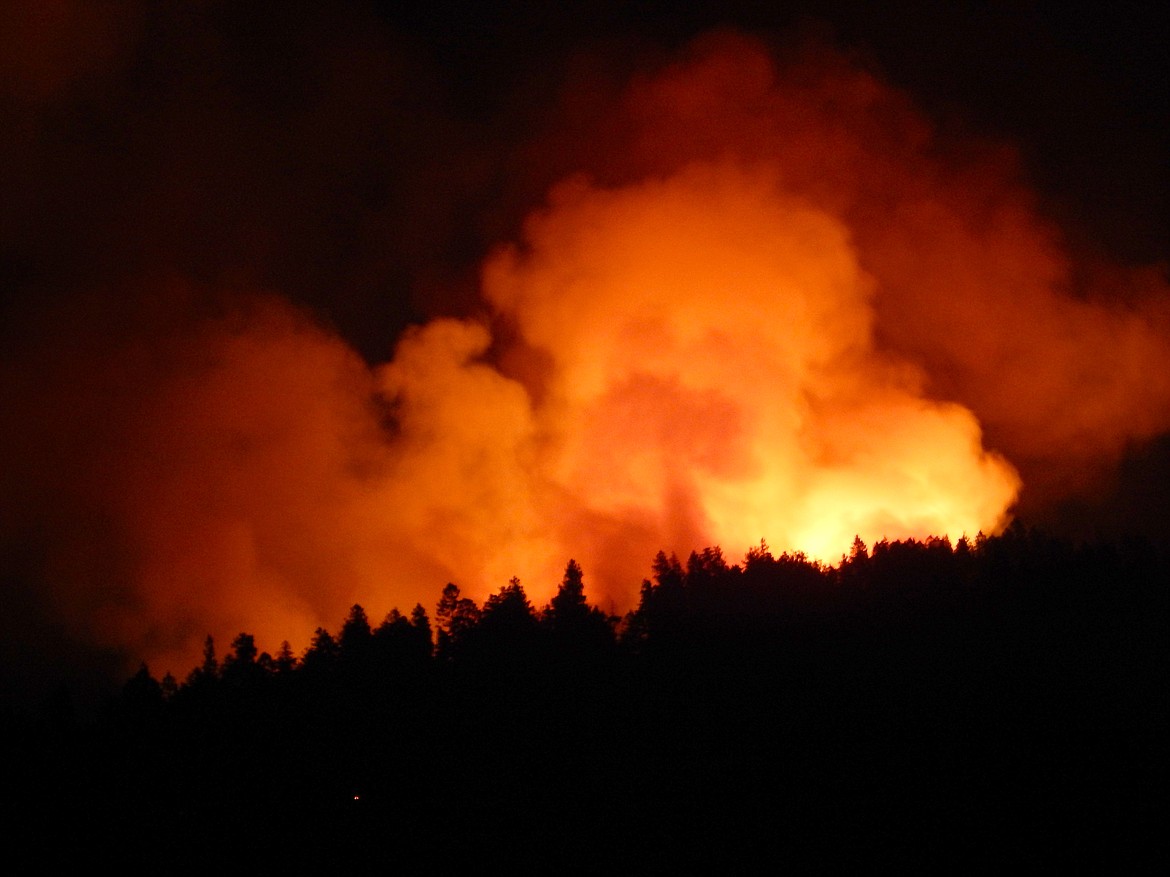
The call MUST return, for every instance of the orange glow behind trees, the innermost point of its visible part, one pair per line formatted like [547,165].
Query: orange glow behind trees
[771,306]
[714,377]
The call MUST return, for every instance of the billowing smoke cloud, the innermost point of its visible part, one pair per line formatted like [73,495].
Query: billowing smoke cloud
[763,299]
[212,476]
[1059,359]
[713,372]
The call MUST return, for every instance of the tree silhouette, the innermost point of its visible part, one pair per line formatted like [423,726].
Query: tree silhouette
[508,612]
[662,605]
[576,628]
[454,616]
[420,625]
[968,687]
[207,673]
[241,663]
[506,632]
[568,606]
[323,651]
[355,635]
[142,692]
[285,661]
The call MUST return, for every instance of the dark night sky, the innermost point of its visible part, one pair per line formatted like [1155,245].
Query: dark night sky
[361,159]
[286,145]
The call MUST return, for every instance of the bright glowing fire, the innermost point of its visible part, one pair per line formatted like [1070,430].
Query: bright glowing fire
[713,372]
[707,374]
[769,308]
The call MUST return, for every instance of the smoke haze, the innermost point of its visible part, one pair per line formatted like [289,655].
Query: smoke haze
[744,290]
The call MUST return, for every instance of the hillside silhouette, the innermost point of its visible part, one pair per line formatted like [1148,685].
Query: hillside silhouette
[924,703]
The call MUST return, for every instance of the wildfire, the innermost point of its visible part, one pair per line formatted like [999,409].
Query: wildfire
[766,305]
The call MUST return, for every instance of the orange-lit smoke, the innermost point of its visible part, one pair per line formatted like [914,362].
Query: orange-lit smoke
[219,474]
[1061,358]
[714,376]
[774,305]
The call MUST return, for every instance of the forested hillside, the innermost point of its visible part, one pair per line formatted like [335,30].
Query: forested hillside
[996,701]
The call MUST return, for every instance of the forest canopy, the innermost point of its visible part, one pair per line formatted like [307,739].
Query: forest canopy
[973,701]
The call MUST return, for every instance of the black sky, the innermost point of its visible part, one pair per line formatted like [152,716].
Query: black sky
[359,159]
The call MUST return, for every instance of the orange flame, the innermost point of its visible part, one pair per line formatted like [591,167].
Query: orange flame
[710,377]
[774,308]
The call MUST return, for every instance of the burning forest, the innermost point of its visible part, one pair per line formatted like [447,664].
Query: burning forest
[307,309]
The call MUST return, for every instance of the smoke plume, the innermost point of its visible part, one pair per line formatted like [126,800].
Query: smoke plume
[763,298]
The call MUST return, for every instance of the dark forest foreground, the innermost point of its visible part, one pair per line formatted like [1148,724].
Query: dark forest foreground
[923,704]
